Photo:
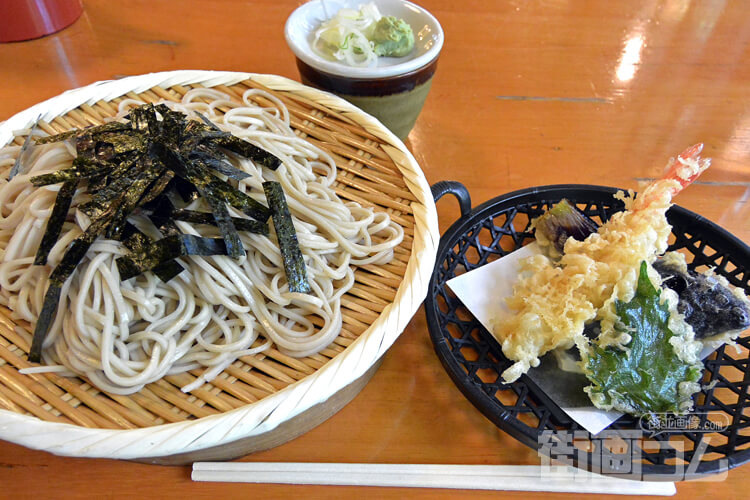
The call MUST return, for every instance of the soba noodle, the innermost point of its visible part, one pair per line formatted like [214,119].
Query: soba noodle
[122,335]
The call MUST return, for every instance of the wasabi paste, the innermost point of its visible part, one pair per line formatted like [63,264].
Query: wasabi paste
[392,37]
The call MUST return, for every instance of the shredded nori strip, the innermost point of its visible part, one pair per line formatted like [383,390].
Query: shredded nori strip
[158,187]
[64,136]
[244,148]
[294,264]
[161,215]
[78,248]
[137,242]
[221,166]
[128,230]
[224,223]
[56,221]
[16,169]
[46,316]
[72,257]
[239,200]
[59,176]
[143,117]
[57,137]
[249,225]
[165,271]
[207,121]
[185,189]
[165,250]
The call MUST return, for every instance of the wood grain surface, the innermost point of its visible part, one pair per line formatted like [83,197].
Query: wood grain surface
[526,93]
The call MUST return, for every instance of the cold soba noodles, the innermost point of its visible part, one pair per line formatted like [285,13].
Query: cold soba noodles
[122,335]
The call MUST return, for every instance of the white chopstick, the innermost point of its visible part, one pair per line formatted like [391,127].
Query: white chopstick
[475,477]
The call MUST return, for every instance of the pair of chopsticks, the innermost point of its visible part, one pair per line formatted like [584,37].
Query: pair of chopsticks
[475,477]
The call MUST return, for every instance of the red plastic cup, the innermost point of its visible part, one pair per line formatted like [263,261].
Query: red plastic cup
[27,19]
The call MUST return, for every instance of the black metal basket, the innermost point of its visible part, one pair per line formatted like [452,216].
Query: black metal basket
[474,360]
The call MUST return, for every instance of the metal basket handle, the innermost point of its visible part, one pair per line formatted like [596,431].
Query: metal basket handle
[456,189]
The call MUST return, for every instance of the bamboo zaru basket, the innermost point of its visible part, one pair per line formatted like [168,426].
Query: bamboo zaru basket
[262,400]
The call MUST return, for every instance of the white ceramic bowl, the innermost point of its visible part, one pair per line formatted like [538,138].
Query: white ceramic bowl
[428,37]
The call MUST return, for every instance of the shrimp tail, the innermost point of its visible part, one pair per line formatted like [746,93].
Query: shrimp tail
[681,172]
[687,166]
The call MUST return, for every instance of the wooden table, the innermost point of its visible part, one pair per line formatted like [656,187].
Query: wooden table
[526,94]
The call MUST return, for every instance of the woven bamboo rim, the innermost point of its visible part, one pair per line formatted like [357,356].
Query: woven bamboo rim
[257,394]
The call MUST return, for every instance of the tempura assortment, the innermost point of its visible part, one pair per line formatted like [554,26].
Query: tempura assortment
[636,314]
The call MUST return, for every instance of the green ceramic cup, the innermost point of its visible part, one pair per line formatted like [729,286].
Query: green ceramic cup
[395,101]
[394,89]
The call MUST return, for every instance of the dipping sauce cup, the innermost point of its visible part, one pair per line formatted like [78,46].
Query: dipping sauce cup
[393,89]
